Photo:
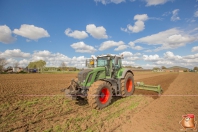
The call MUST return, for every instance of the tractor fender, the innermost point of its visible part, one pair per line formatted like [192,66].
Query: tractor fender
[125,72]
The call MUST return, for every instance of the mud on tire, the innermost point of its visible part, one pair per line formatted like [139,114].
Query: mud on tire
[99,94]
[127,85]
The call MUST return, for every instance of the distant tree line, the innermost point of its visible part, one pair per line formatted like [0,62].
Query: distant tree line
[139,67]
[40,65]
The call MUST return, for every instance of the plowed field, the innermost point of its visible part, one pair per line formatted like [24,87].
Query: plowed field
[34,102]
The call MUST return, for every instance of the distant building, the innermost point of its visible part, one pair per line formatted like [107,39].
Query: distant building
[17,69]
[176,69]
[159,70]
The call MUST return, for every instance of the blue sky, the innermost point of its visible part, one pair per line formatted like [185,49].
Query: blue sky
[148,33]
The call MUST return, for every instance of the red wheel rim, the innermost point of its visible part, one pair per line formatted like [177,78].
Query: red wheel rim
[129,85]
[104,95]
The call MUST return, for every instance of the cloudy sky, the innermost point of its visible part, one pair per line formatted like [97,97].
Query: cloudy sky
[148,33]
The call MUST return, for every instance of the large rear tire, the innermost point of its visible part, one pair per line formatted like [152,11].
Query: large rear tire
[127,85]
[99,94]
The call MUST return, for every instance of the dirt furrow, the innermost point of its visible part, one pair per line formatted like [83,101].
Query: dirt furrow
[165,113]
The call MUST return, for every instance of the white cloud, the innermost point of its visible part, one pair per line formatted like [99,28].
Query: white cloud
[164,62]
[124,29]
[96,32]
[83,48]
[170,56]
[31,32]
[55,59]
[24,63]
[142,17]
[196,14]
[108,44]
[121,47]
[139,24]
[193,20]
[44,53]
[151,57]
[166,13]
[129,57]
[15,53]
[169,39]
[156,18]
[6,35]
[132,44]
[110,1]
[27,40]
[51,59]
[155,2]
[137,54]
[175,15]
[75,60]
[148,51]
[170,59]
[76,34]
[11,61]
[195,56]
[137,48]
[93,56]
[128,63]
[126,54]
[195,49]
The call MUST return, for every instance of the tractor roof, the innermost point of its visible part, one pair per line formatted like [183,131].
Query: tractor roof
[110,55]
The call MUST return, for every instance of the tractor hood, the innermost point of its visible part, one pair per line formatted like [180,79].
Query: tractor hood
[83,74]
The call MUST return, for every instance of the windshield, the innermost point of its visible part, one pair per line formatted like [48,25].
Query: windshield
[101,61]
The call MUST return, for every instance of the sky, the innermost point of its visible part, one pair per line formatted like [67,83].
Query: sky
[148,33]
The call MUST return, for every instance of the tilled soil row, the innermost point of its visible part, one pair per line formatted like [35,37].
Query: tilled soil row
[164,114]
[16,87]
[163,80]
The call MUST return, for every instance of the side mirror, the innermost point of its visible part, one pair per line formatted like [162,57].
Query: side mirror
[116,60]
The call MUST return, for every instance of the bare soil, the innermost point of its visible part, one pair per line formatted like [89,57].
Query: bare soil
[164,113]
[33,102]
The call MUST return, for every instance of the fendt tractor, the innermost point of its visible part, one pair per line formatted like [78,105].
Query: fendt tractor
[100,82]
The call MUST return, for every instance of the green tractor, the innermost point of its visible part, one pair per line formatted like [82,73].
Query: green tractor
[98,84]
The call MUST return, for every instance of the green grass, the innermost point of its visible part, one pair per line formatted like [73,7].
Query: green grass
[48,130]
[57,128]
[30,103]
[50,108]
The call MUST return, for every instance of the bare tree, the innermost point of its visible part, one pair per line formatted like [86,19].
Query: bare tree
[3,63]
[16,64]
[63,66]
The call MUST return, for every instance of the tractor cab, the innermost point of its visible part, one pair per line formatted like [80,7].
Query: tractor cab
[112,63]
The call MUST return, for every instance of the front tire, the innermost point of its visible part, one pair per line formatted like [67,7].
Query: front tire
[127,85]
[99,94]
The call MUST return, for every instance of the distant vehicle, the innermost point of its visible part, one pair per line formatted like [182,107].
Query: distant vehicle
[33,70]
[192,70]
